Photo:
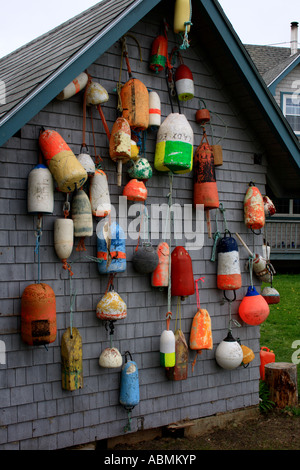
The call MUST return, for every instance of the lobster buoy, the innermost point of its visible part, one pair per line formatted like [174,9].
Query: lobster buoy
[38,315]
[154,110]
[111,307]
[180,369]
[86,161]
[135,104]
[67,171]
[82,214]
[120,144]
[71,360]
[267,356]
[111,251]
[110,358]
[63,237]
[159,54]
[202,116]
[74,87]
[262,269]
[229,354]
[96,94]
[145,259]
[129,387]
[182,279]
[167,347]
[228,272]
[40,191]
[174,145]
[253,309]
[184,83]
[201,335]
[160,275]
[135,190]
[269,206]
[248,355]
[182,15]
[254,212]
[99,194]
[205,186]
[140,169]
[271,295]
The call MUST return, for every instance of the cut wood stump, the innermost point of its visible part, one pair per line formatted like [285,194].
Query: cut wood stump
[281,378]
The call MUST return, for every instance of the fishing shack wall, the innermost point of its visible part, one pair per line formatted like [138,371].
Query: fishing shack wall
[36,413]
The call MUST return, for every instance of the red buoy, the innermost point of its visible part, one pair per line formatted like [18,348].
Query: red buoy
[253,309]
[159,54]
[182,278]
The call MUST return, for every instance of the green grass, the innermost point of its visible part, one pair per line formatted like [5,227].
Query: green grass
[282,326]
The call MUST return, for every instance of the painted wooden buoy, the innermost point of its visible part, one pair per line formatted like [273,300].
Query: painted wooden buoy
[96,94]
[63,237]
[174,145]
[261,268]
[135,103]
[154,110]
[271,295]
[269,206]
[218,154]
[254,211]
[140,169]
[111,307]
[135,190]
[180,369]
[160,275]
[74,87]
[253,309]
[205,186]
[201,335]
[67,171]
[40,191]
[184,83]
[86,161]
[82,214]
[266,356]
[120,144]
[110,358]
[182,14]
[111,249]
[167,348]
[182,278]
[228,271]
[99,194]
[229,354]
[145,259]
[71,360]
[38,315]
[129,387]
[159,54]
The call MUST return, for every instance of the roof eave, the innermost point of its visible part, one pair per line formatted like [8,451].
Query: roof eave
[273,84]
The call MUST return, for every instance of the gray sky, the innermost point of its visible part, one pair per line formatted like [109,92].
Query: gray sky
[262,22]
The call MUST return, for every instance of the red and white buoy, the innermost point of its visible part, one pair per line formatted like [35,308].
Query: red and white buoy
[184,83]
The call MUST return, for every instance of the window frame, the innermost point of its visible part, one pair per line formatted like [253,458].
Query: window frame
[283,97]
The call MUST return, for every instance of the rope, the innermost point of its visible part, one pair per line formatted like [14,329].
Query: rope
[170,244]
[38,234]
[97,157]
[185,43]
[197,291]
[178,310]
[72,302]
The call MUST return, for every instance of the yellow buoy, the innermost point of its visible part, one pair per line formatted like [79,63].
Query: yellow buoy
[71,360]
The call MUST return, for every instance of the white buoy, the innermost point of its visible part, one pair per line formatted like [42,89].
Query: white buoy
[82,215]
[74,87]
[63,237]
[110,358]
[154,109]
[86,161]
[40,194]
[99,194]
[229,354]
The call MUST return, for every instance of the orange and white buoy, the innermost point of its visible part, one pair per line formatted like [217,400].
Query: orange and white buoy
[111,307]
[254,212]
[74,87]
[135,190]
[154,110]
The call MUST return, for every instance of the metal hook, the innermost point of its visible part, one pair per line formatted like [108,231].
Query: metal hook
[234,296]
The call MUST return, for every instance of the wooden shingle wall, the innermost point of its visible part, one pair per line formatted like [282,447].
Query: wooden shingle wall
[35,412]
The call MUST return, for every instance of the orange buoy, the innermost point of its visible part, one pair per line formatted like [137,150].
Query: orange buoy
[201,336]
[135,190]
[67,171]
[135,103]
[159,54]
[182,279]
[254,212]
[120,144]
[160,276]
[38,315]
[253,309]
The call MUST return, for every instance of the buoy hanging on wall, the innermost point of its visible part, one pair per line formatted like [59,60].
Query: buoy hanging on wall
[129,387]
[135,190]
[184,83]
[182,279]
[182,15]
[74,87]
[269,206]
[82,214]
[160,275]
[167,346]
[67,171]
[111,307]
[159,53]
[38,315]
[110,358]
[40,192]
[120,144]
[86,161]
[253,309]
[201,335]
[248,355]
[271,295]
[135,104]
[71,360]
[228,272]
[154,110]
[180,369]
[63,237]
[254,212]
[229,354]
[174,145]
[99,194]
[140,169]
[96,94]
[111,249]
[145,259]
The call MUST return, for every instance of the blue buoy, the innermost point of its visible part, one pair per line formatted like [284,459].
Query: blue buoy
[129,389]
[114,259]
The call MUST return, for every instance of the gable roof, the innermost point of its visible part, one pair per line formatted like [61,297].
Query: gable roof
[72,47]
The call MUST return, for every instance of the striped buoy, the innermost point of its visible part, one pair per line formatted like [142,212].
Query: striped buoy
[154,110]
[271,295]
[254,212]
[99,194]
[111,250]
[167,346]
[184,83]
[174,145]
[135,190]
[40,191]
[253,309]
[74,87]
[67,171]
[82,214]
[38,315]
[159,53]
[63,237]
[111,307]
[180,369]
[71,360]
[228,272]
[160,276]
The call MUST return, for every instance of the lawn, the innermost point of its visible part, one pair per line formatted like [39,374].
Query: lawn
[282,327]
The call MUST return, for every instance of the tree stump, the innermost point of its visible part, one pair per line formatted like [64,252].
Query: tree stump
[281,378]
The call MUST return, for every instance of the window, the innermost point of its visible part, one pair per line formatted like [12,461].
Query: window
[291,110]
